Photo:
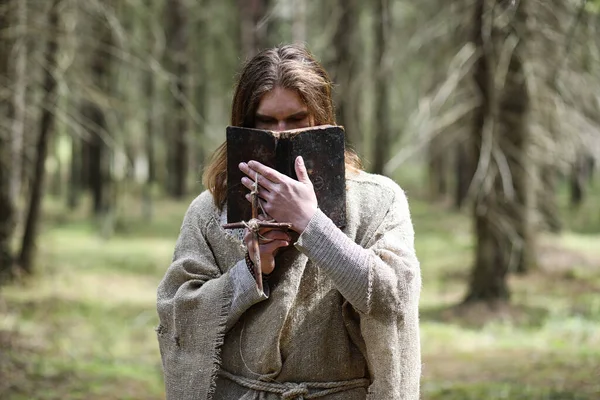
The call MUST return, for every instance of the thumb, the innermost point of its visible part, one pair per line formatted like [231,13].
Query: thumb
[301,172]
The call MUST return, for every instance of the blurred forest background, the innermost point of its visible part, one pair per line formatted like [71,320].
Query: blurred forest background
[487,112]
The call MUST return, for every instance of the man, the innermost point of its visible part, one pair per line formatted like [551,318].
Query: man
[338,318]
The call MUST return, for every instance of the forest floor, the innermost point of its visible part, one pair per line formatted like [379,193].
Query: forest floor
[83,326]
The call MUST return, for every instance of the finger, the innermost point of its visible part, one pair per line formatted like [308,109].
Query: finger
[262,194]
[272,246]
[301,171]
[276,234]
[265,217]
[256,176]
[270,174]
[249,184]
[261,197]
[248,238]
[263,232]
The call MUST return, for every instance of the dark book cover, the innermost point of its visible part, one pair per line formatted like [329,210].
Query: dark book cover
[321,147]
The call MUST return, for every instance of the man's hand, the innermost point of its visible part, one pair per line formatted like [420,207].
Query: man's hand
[269,242]
[283,198]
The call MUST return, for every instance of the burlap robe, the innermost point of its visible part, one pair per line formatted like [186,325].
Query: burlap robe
[195,296]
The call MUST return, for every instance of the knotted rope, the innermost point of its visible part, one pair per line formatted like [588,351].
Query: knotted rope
[297,391]
[254,226]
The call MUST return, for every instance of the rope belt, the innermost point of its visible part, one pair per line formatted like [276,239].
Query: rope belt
[296,391]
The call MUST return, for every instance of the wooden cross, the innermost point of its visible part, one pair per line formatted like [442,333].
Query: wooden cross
[254,225]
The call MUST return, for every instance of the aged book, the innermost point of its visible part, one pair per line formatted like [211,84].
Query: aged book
[321,147]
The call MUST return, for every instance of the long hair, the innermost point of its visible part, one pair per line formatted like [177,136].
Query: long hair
[289,67]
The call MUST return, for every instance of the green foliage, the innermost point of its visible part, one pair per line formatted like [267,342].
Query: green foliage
[593,6]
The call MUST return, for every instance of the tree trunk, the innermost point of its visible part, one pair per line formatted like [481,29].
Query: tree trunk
[299,21]
[200,141]
[464,170]
[56,181]
[150,87]
[98,158]
[150,150]
[382,134]
[177,43]
[200,85]
[580,176]
[7,218]
[18,123]
[97,152]
[253,28]
[344,68]
[502,210]
[75,173]
[590,165]
[547,202]
[85,152]
[438,169]
[546,196]
[46,127]
[515,140]
[488,277]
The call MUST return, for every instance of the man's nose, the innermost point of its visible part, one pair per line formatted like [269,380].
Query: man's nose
[281,126]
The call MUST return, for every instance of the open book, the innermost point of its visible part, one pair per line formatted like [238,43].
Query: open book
[321,147]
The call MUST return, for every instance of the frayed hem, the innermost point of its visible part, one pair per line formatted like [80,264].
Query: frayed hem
[219,341]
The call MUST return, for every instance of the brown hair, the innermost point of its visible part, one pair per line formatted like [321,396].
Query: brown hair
[290,67]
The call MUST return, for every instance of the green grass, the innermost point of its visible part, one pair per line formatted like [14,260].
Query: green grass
[83,326]
[544,345]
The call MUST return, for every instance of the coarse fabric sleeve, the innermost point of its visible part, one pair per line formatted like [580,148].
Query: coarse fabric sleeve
[194,304]
[245,292]
[382,282]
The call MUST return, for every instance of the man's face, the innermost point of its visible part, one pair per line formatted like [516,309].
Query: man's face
[281,110]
